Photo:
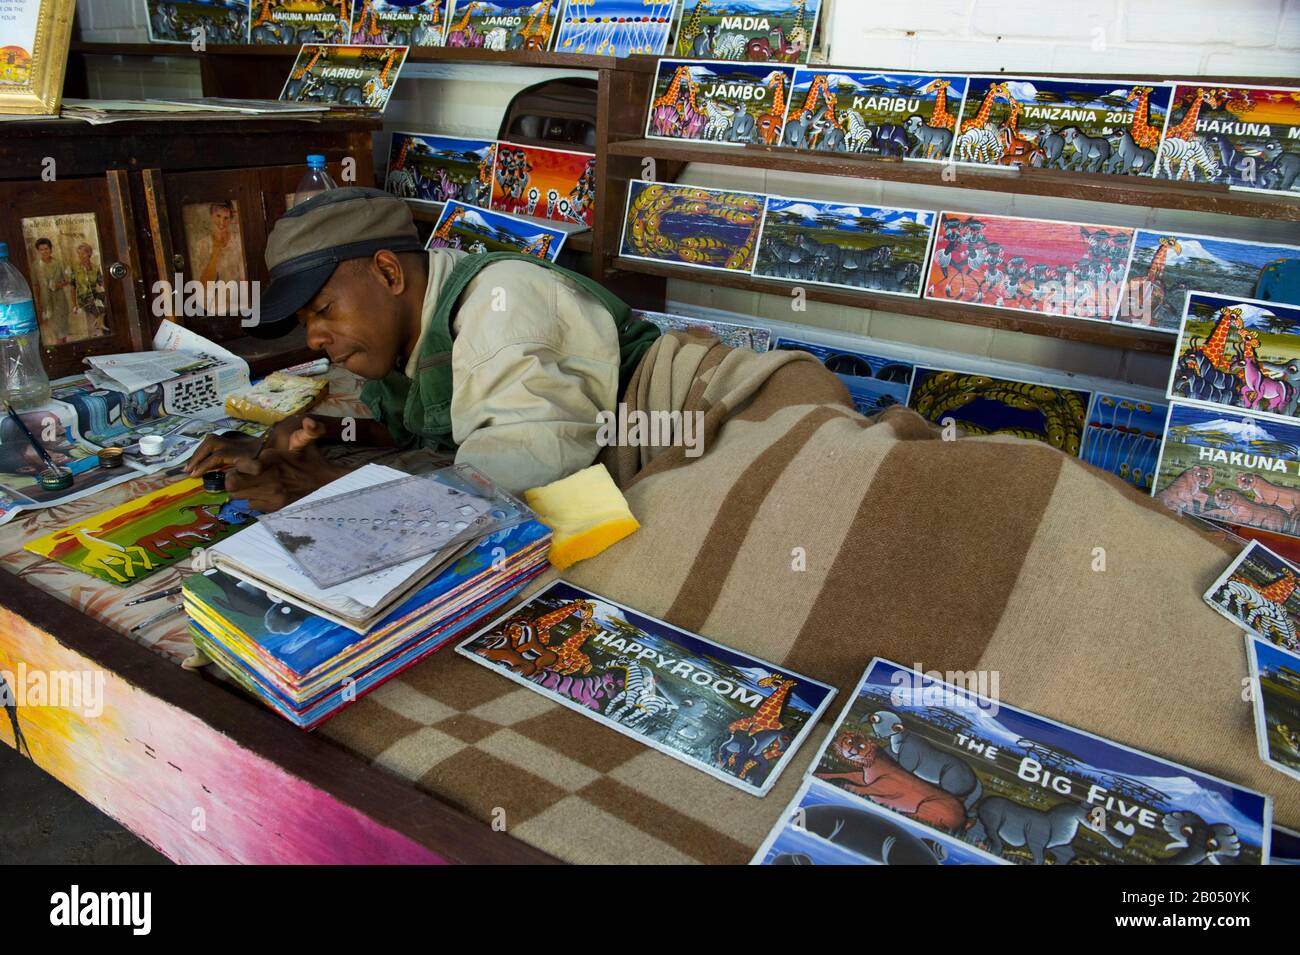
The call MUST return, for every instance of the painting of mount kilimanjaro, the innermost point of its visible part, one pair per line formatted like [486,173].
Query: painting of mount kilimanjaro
[735,717]
[1246,137]
[1258,592]
[761,31]
[400,22]
[1238,353]
[1026,789]
[439,168]
[692,226]
[1030,265]
[736,103]
[177,21]
[874,383]
[1098,126]
[502,24]
[845,245]
[1165,265]
[482,230]
[615,27]
[1123,437]
[1231,467]
[901,115]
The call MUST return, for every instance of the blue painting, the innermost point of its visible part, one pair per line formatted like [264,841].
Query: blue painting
[874,383]
[1123,437]
[615,27]
[480,230]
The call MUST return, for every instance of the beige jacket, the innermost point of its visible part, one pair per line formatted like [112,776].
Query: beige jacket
[534,360]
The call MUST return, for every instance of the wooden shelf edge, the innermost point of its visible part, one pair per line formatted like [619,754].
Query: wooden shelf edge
[1092,187]
[1096,333]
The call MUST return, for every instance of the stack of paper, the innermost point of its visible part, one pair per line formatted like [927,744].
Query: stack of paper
[307,667]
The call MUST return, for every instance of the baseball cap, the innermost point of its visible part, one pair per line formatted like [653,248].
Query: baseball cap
[311,239]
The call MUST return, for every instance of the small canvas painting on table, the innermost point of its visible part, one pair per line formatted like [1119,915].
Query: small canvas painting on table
[1258,593]
[399,22]
[900,115]
[736,103]
[874,382]
[134,540]
[1276,674]
[441,168]
[503,24]
[542,183]
[1231,467]
[297,22]
[761,31]
[980,404]
[615,27]
[730,334]
[1166,265]
[1238,353]
[1242,136]
[1030,265]
[1123,437]
[344,76]
[179,21]
[845,245]
[692,225]
[1094,126]
[481,230]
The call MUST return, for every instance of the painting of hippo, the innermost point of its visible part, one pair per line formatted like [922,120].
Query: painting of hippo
[1000,823]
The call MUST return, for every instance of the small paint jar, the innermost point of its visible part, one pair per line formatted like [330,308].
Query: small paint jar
[214,481]
[55,479]
[151,445]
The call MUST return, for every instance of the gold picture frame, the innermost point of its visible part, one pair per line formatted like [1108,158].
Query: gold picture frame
[35,86]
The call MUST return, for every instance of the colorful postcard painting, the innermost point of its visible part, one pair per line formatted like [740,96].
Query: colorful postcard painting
[874,383]
[845,245]
[727,714]
[1285,847]
[1166,265]
[1030,265]
[1232,467]
[441,168]
[1123,437]
[298,22]
[133,540]
[1257,593]
[979,404]
[761,31]
[1027,789]
[179,21]
[615,27]
[730,334]
[908,115]
[1277,705]
[545,183]
[399,22]
[692,225]
[1238,353]
[1242,136]
[737,103]
[503,24]
[824,825]
[481,230]
[1103,126]
[352,77]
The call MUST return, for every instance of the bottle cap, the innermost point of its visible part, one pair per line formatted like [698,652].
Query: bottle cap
[4,250]
[55,479]
[315,161]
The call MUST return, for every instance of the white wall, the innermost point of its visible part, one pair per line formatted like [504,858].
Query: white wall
[1145,38]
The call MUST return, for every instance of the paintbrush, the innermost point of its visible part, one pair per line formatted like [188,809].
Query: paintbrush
[40,448]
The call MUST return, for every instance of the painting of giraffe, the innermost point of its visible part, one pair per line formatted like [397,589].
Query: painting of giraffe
[175,21]
[481,230]
[734,717]
[509,26]
[902,115]
[730,103]
[301,21]
[760,31]
[439,168]
[350,76]
[1103,127]
[400,22]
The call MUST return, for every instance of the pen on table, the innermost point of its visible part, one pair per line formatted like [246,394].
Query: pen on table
[155,618]
[158,596]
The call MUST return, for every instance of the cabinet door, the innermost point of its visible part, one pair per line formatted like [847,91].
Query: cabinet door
[74,241]
[209,232]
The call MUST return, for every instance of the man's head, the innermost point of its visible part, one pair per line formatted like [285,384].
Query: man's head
[221,215]
[349,265]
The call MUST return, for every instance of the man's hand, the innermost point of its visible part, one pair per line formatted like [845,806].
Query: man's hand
[227,450]
[276,477]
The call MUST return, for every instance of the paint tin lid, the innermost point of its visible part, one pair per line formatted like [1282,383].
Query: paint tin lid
[110,457]
[55,479]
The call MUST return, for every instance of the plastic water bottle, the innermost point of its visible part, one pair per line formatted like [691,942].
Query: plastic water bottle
[316,181]
[22,375]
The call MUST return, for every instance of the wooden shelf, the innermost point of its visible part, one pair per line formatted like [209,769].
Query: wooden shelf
[417,54]
[1097,333]
[1118,190]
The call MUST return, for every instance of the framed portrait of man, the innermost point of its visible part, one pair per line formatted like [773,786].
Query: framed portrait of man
[34,37]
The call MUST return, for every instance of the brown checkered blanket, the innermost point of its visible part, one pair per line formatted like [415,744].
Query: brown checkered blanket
[975,554]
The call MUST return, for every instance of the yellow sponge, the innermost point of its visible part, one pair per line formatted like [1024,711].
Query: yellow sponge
[586,513]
